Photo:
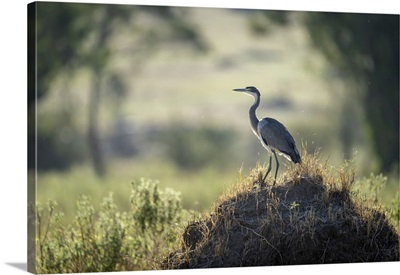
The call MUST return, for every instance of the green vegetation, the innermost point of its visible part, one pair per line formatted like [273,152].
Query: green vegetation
[68,186]
[108,239]
[311,203]
[82,34]
[198,146]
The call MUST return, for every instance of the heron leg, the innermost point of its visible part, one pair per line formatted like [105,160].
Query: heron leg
[277,167]
[268,170]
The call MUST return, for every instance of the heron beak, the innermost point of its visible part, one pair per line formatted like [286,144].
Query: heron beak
[240,90]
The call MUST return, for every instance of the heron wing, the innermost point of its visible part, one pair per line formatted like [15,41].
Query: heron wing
[274,134]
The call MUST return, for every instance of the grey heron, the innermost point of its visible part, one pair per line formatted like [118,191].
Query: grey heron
[272,134]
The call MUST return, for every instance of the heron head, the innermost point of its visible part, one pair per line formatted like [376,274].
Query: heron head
[251,90]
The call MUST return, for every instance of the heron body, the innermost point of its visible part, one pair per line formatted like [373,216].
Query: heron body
[272,134]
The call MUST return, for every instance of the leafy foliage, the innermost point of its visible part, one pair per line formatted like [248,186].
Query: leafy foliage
[72,37]
[349,41]
[64,33]
[109,240]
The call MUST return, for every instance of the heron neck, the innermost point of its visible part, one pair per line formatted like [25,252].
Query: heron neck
[253,116]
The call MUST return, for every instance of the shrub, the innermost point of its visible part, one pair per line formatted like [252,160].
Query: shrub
[107,239]
[195,147]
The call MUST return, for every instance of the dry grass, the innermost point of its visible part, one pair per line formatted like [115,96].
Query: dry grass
[310,217]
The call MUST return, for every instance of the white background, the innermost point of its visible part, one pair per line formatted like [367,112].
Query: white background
[13,123]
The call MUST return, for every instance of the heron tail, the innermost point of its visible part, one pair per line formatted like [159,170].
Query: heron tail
[296,156]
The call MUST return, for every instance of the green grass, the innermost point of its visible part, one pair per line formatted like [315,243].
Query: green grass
[198,188]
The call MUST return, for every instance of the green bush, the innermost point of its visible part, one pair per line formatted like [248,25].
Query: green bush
[195,147]
[372,187]
[107,239]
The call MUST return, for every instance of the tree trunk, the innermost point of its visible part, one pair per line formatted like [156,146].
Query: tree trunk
[94,139]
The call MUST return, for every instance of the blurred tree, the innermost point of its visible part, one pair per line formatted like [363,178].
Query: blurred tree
[53,47]
[364,48]
[70,36]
